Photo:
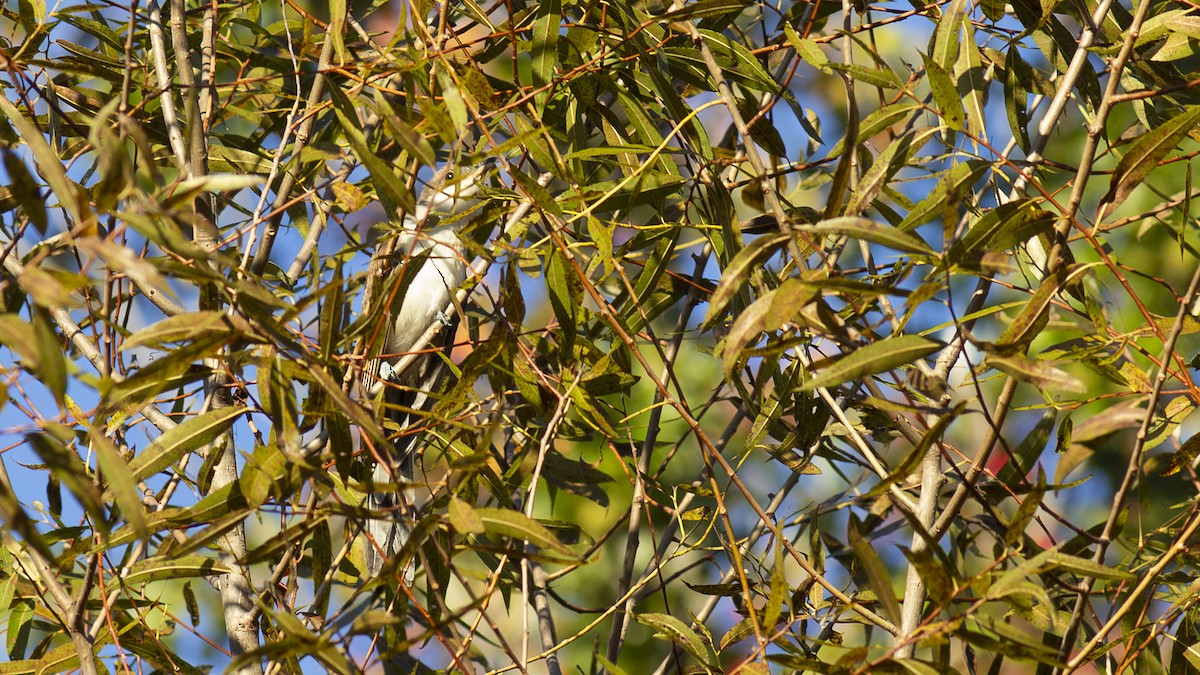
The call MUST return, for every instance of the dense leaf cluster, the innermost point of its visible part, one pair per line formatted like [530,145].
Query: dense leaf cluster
[791,341]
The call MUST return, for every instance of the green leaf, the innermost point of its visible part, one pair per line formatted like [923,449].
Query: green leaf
[738,632]
[121,484]
[875,123]
[769,312]
[1016,96]
[1185,641]
[1083,567]
[67,467]
[973,81]
[518,526]
[545,47]
[739,63]
[943,47]
[390,187]
[885,79]
[463,517]
[173,444]
[286,540]
[188,189]
[1184,456]
[945,197]
[1013,473]
[877,357]
[779,589]
[912,461]
[733,277]
[1014,533]
[70,196]
[1032,318]
[877,575]
[178,368]
[193,326]
[806,48]
[159,569]
[892,159]
[667,626]
[566,295]
[872,231]
[1144,155]
[1000,229]
[945,94]
[1038,373]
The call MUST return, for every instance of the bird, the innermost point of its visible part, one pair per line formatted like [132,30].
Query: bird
[428,239]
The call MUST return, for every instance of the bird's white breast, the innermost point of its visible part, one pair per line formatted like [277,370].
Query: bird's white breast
[443,270]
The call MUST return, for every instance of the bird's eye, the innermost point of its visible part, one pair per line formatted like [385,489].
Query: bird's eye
[449,175]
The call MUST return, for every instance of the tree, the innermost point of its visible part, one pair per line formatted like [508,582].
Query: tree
[788,341]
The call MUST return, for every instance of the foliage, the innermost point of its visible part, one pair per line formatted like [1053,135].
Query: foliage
[790,345]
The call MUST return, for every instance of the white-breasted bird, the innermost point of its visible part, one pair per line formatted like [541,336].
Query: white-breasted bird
[429,240]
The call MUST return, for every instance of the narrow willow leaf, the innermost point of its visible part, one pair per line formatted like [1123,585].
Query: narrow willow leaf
[667,626]
[1022,647]
[891,160]
[877,574]
[1000,229]
[1038,373]
[158,569]
[1014,534]
[735,274]
[1085,567]
[779,590]
[268,473]
[545,46]
[943,46]
[1032,318]
[705,8]
[946,195]
[25,190]
[739,63]
[1016,96]
[738,632]
[876,357]
[399,131]
[806,48]
[187,190]
[973,82]
[879,120]
[540,196]
[1186,640]
[188,436]
[1023,457]
[463,517]
[390,187]
[945,94]
[885,79]
[513,524]
[51,362]
[224,158]
[1144,155]
[286,540]
[769,312]
[1184,456]
[121,484]
[1125,415]
[565,295]
[70,196]
[872,231]
[909,466]
[193,326]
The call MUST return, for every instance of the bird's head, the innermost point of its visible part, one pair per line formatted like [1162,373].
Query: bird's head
[452,189]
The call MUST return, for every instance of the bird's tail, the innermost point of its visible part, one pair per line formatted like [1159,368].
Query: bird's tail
[388,534]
